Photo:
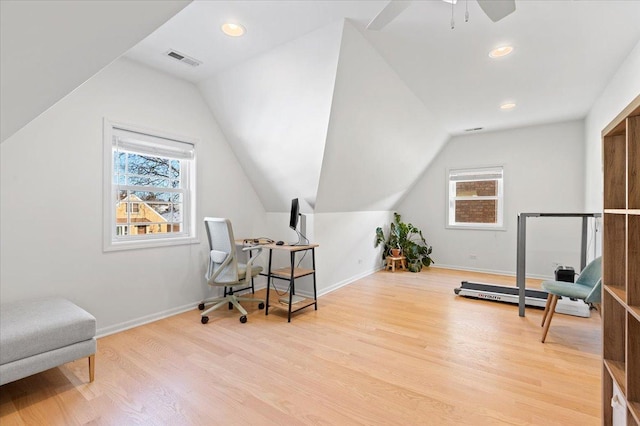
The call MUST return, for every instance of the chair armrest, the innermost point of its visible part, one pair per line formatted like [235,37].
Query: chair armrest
[216,256]
[253,256]
[249,248]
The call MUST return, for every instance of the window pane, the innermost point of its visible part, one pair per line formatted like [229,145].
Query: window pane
[119,160]
[147,170]
[155,165]
[476,211]
[479,188]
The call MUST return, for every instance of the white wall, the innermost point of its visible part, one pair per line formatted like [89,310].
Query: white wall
[274,110]
[381,136]
[51,200]
[347,251]
[621,90]
[543,172]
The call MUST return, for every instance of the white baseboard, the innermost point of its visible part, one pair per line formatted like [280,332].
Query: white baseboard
[491,271]
[105,331]
[102,332]
[348,281]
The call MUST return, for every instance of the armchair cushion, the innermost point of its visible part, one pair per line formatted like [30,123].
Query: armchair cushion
[566,289]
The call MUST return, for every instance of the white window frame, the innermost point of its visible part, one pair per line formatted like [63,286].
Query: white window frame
[128,137]
[470,174]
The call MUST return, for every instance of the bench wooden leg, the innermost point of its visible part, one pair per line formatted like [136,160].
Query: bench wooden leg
[92,367]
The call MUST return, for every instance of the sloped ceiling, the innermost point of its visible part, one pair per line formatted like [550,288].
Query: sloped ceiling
[324,118]
[566,51]
[49,48]
[381,136]
[274,110]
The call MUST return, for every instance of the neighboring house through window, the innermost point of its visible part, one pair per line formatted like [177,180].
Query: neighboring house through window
[149,188]
[475,198]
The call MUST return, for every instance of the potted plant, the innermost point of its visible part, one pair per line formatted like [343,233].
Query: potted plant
[408,239]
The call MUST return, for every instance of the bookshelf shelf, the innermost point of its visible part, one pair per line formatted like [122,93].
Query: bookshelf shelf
[621,263]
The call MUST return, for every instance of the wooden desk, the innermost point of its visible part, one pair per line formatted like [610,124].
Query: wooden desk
[290,274]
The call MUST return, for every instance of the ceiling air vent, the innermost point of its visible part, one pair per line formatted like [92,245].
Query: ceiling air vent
[183,58]
[474,129]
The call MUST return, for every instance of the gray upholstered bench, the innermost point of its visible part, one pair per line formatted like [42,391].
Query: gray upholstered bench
[36,335]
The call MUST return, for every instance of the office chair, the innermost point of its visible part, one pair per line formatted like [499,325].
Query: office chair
[587,287]
[224,269]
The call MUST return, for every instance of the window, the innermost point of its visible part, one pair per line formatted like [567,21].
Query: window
[149,189]
[133,207]
[475,198]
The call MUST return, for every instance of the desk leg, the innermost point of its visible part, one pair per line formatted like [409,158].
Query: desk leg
[315,294]
[583,243]
[253,288]
[266,308]
[292,287]
[521,259]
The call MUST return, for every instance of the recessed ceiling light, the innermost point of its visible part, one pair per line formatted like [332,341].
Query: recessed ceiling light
[508,105]
[499,52]
[233,30]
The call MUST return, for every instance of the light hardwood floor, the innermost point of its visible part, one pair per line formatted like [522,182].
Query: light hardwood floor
[392,348]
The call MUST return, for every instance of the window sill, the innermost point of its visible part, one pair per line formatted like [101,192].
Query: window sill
[144,244]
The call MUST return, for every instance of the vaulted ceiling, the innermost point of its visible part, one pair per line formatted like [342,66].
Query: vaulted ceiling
[49,48]
[313,103]
[565,50]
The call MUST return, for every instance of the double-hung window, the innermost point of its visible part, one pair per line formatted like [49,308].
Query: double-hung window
[149,189]
[475,198]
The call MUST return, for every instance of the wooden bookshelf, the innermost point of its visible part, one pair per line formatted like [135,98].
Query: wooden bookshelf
[621,263]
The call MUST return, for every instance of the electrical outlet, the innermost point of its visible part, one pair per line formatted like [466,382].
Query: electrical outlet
[473,256]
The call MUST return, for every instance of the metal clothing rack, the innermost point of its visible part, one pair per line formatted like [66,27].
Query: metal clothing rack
[522,245]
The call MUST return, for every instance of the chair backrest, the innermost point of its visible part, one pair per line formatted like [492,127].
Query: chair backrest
[591,276]
[223,264]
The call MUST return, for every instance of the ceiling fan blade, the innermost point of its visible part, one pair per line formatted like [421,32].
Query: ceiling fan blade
[496,10]
[388,14]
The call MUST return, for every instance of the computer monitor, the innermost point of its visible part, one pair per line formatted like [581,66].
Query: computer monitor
[295,213]
[294,221]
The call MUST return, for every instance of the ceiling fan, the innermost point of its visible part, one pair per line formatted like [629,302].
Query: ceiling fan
[495,10]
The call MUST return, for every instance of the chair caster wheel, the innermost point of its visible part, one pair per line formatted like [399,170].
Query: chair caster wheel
[230,306]
[204,320]
[201,306]
[243,319]
[261,305]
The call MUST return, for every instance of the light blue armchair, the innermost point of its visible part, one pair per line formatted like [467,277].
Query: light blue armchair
[588,287]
